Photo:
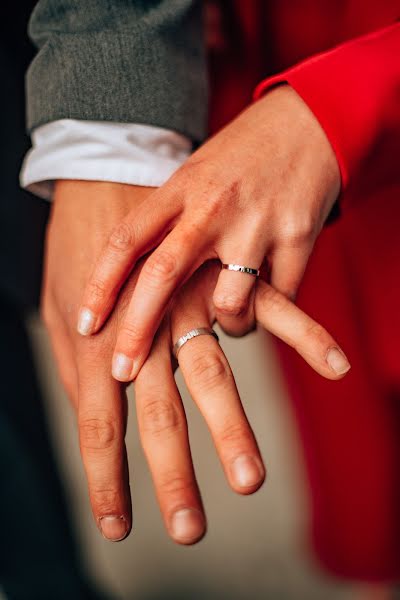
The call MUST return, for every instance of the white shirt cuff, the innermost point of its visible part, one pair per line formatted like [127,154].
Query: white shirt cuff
[101,151]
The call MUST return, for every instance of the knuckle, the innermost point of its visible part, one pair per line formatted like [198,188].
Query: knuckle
[97,291]
[98,432]
[235,435]
[225,196]
[161,266]
[217,199]
[272,300]
[174,483]
[232,305]
[161,417]
[105,499]
[316,336]
[215,203]
[295,231]
[209,369]
[122,237]
[131,333]
[93,351]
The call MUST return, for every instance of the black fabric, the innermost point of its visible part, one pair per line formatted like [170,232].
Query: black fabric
[38,555]
[22,217]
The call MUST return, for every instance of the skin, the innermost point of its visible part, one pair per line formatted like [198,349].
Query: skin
[259,190]
[73,245]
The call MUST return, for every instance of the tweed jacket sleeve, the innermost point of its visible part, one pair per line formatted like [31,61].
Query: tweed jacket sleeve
[127,61]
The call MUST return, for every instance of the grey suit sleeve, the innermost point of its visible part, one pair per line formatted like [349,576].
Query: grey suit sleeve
[119,60]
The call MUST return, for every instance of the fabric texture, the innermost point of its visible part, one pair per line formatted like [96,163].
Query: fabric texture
[131,61]
[342,58]
[354,91]
[22,217]
[100,151]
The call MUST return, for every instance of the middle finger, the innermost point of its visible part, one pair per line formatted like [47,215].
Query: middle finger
[164,436]
[212,386]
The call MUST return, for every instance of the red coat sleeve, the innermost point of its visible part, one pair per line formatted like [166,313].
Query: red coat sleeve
[354,91]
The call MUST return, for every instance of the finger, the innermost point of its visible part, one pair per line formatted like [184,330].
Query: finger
[164,436]
[240,325]
[136,235]
[101,421]
[288,266]
[280,316]
[162,274]
[211,384]
[233,292]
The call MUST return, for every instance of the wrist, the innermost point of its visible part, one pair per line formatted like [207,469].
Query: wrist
[96,204]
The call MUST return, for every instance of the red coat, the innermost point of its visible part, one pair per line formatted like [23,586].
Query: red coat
[350,78]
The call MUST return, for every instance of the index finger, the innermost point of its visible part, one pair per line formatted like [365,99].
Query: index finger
[142,229]
[166,269]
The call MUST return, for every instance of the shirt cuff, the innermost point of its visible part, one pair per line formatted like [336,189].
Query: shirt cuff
[129,153]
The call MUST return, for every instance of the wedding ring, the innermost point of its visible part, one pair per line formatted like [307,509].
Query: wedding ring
[190,335]
[241,269]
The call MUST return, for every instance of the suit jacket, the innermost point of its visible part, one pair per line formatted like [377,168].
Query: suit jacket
[131,61]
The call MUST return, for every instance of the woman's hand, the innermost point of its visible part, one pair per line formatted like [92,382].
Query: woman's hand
[261,188]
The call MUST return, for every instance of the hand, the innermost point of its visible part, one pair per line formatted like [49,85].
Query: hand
[100,401]
[262,187]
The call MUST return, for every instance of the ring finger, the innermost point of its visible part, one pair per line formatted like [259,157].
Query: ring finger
[235,287]
[211,384]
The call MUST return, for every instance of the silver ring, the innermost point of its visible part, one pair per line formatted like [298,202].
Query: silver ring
[241,269]
[190,335]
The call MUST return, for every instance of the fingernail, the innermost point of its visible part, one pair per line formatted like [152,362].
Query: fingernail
[85,321]
[122,367]
[246,471]
[337,361]
[187,525]
[114,528]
